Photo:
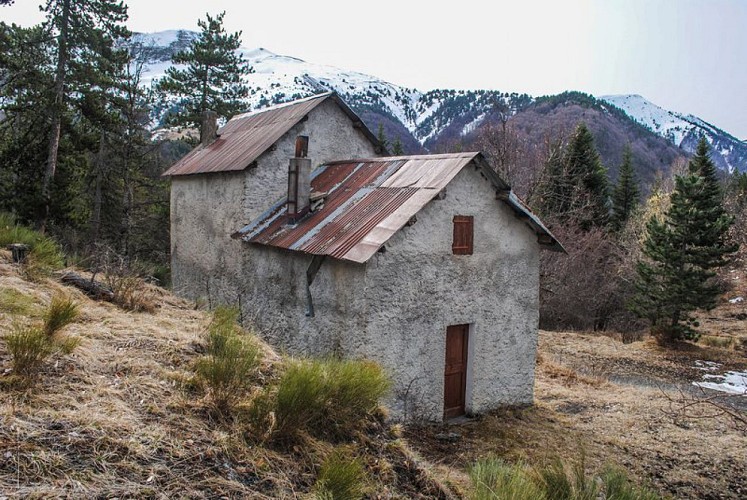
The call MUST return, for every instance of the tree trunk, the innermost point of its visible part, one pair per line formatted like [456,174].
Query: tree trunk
[97,198]
[57,109]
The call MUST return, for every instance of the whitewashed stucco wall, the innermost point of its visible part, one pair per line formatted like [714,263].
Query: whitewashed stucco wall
[395,309]
[207,208]
[417,288]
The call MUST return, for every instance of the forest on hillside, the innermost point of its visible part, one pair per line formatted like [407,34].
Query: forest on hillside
[79,160]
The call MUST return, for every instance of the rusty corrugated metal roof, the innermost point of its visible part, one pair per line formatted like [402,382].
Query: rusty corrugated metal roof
[245,137]
[368,201]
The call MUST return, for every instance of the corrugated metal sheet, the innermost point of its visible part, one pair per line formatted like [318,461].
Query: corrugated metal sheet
[367,202]
[245,137]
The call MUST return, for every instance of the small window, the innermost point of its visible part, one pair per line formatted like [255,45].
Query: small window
[463,235]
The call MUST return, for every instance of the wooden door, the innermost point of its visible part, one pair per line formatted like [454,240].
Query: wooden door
[455,376]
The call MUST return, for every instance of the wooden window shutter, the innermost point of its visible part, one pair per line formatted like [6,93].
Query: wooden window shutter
[463,235]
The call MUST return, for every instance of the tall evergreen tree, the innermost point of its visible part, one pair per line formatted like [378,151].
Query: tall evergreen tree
[576,187]
[381,137]
[626,192]
[86,59]
[213,78]
[683,251]
[397,149]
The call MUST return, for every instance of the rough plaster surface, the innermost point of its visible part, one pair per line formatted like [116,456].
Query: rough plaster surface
[395,309]
[207,208]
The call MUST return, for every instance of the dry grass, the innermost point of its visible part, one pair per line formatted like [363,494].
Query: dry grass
[116,418]
[628,414]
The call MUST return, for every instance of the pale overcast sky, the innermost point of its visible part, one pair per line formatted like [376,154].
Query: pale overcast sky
[684,55]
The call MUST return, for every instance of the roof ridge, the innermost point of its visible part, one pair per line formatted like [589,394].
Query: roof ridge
[254,112]
[439,156]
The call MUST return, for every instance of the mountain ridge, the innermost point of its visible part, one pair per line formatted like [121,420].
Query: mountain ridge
[428,120]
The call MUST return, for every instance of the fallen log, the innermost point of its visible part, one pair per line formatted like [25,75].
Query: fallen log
[94,289]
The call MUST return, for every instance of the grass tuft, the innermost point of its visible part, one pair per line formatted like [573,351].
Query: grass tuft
[29,347]
[494,479]
[44,255]
[232,358]
[61,312]
[325,397]
[617,486]
[341,476]
[16,303]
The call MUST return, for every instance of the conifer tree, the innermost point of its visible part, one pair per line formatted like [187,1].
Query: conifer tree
[625,194]
[683,251]
[397,149]
[576,187]
[213,78]
[381,137]
[86,60]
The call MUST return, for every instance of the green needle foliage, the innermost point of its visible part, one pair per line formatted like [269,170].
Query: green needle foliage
[682,253]
[625,194]
[213,78]
[576,186]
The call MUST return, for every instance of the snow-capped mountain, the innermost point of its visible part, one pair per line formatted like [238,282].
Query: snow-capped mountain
[728,152]
[278,78]
[424,120]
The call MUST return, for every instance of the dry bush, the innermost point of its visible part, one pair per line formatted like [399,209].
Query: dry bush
[589,288]
[124,277]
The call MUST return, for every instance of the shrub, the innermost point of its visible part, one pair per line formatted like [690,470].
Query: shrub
[61,312]
[44,254]
[341,476]
[327,397]
[226,371]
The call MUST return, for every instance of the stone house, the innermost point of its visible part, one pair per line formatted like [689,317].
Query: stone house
[426,264]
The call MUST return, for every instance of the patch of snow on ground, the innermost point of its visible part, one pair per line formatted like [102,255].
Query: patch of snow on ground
[730,382]
[708,366]
[736,300]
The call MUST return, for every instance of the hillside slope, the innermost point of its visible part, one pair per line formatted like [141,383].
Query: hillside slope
[116,418]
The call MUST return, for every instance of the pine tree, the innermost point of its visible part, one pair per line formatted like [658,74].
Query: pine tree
[397,149]
[683,251]
[85,59]
[625,194]
[381,137]
[575,189]
[213,78]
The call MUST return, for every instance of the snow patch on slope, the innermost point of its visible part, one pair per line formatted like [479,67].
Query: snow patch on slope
[673,126]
